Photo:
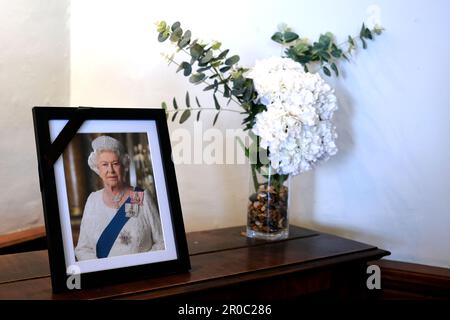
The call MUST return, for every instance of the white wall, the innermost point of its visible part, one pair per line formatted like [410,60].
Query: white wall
[34,70]
[388,185]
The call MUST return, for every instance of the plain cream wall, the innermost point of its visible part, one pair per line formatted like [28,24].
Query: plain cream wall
[388,185]
[34,70]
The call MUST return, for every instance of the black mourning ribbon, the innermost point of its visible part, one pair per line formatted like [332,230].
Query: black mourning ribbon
[66,135]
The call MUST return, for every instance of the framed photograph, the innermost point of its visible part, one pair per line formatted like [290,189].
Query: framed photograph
[110,197]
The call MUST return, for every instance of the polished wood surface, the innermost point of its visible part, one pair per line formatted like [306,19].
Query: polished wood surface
[224,265]
[17,237]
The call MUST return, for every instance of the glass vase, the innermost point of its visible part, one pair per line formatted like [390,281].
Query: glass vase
[268,205]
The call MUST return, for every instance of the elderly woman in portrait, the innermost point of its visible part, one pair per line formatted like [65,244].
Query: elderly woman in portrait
[118,219]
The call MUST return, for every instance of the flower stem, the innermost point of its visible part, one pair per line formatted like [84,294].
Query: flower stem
[254,178]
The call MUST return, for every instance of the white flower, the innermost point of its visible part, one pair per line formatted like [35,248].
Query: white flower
[296,128]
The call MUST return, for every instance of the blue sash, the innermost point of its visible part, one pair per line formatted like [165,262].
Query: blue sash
[111,232]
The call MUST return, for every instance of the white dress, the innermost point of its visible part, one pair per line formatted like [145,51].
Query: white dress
[139,234]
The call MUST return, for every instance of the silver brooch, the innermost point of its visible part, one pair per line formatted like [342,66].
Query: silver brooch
[125,237]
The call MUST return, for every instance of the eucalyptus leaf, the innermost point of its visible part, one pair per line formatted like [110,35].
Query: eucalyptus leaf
[174,116]
[335,69]
[198,102]
[324,55]
[290,36]
[232,60]
[210,87]
[335,51]
[176,35]
[175,26]
[207,57]
[196,51]
[186,67]
[185,40]
[187,70]
[161,27]
[325,41]
[185,115]
[225,69]
[187,34]
[363,43]
[301,48]
[223,54]
[163,36]
[175,105]
[216,103]
[183,43]
[196,77]
[278,37]
[226,92]
[216,45]
[248,93]
[164,107]
[363,28]
[188,100]
[198,115]
[216,85]
[215,118]
[351,42]
[326,71]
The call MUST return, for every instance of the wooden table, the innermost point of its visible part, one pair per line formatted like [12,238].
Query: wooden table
[225,266]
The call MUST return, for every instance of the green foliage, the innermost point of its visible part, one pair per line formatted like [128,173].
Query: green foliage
[284,37]
[219,72]
[212,67]
[325,51]
[186,114]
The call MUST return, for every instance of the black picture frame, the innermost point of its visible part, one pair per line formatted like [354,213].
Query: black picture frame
[48,153]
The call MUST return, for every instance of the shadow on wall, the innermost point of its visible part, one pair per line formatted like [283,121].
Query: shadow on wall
[304,185]
[303,209]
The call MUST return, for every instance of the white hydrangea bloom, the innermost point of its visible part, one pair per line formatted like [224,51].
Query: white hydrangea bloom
[296,128]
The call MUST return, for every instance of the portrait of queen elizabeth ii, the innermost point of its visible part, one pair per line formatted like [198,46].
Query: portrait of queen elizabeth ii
[118,219]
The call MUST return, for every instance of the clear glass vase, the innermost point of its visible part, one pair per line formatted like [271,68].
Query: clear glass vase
[268,205]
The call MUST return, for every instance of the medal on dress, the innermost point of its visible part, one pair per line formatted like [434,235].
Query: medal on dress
[133,208]
[137,197]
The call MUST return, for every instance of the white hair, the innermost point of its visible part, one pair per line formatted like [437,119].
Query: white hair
[106,143]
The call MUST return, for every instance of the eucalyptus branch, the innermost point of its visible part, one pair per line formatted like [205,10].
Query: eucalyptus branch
[236,87]
[171,60]
[325,51]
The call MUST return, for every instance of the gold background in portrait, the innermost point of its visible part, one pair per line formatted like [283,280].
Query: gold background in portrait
[81,180]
